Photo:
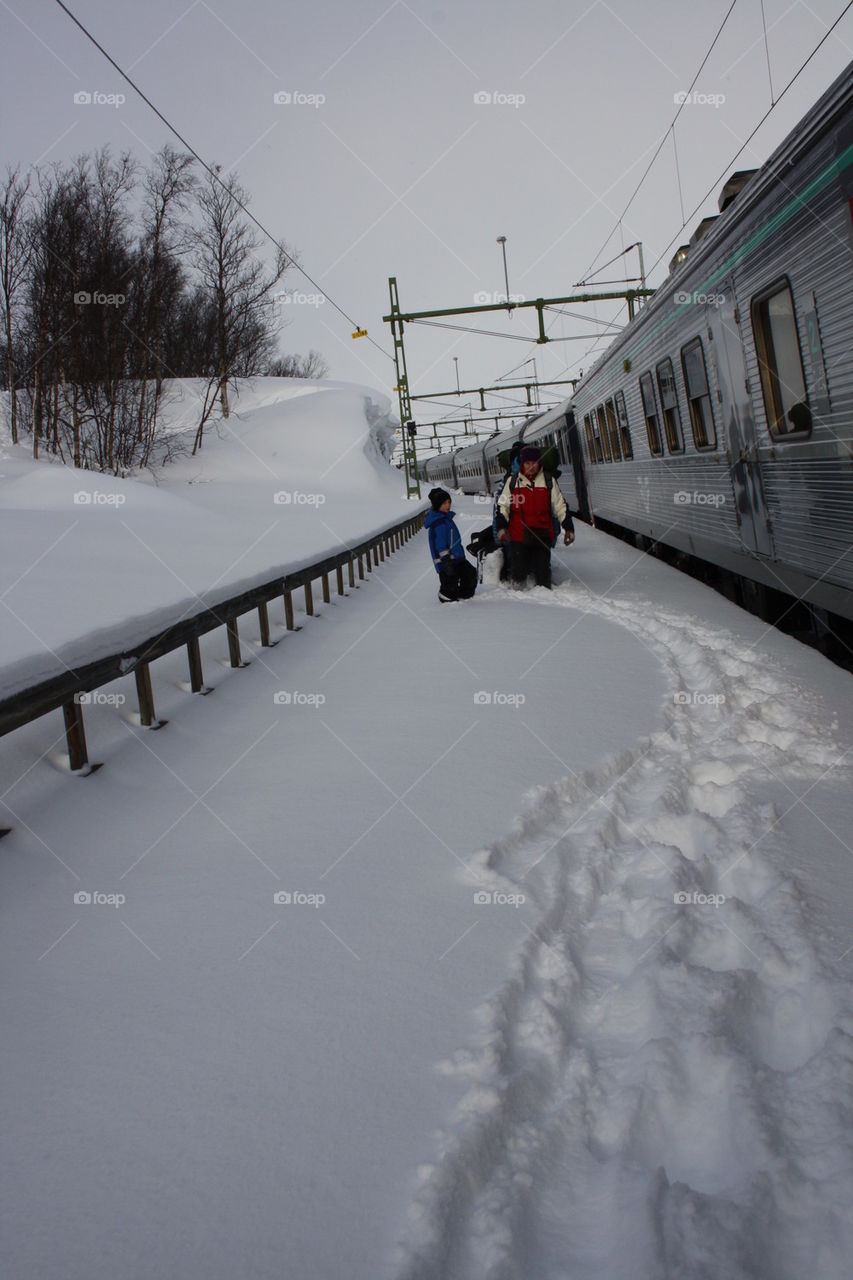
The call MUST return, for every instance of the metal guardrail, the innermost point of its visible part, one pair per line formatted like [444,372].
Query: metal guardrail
[65,690]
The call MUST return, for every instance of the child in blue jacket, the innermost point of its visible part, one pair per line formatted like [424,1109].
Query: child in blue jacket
[448,555]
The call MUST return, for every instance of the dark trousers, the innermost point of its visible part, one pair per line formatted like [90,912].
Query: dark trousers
[531,556]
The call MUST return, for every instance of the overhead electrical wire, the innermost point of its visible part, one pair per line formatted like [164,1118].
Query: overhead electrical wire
[214,175]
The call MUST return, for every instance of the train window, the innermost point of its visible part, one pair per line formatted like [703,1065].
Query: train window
[590,438]
[780,362]
[602,433]
[624,430]
[613,431]
[698,395]
[669,406]
[650,409]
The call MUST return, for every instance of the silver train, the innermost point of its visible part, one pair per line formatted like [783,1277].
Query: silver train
[717,428]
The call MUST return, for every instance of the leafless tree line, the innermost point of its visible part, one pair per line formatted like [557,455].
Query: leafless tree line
[100,302]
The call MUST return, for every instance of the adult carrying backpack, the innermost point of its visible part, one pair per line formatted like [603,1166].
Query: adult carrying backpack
[550,480]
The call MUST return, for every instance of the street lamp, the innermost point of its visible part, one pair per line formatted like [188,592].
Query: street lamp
[502,242]
[456,363]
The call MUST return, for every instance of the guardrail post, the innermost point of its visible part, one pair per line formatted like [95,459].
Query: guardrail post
[75,735]
[309,600]
[233,642]
[264,620]
[194,659]
[351,572]
[145,695]
[339,574]
[327,596]
[288,611]
[380,549]
[367,560]
[361,568]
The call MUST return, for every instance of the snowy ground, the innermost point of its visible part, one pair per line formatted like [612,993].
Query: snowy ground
[641,1070]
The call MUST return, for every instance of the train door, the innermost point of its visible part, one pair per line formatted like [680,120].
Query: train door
[738,421]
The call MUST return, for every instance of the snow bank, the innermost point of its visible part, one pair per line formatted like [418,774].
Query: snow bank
[93,563]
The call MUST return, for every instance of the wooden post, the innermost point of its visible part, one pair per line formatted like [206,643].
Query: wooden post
[288,611]
[309,600]
[145,695]
[234,643]
[75,735]
[194,659]
[351,573]
[339,573]
[327,596]
[361,568]
[380,548]
[367,560]
[264,619]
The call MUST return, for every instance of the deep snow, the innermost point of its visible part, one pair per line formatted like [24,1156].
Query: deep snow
[640,1070]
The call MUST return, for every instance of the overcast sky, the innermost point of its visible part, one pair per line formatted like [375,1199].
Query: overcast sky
[391,166]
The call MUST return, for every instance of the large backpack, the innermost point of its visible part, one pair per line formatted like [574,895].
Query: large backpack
[550,480]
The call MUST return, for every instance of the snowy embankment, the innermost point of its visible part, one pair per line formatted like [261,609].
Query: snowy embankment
[93,564]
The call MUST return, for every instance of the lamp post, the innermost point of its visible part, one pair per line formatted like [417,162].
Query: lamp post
[456,363]
[502,242]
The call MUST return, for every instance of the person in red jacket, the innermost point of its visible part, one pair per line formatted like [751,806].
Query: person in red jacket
[527,508]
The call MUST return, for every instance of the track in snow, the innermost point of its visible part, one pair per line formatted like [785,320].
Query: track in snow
[660,1088]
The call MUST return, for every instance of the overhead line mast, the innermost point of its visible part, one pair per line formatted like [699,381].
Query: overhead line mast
[398,319]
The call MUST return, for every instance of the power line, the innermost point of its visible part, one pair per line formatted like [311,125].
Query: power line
[740,152]
[214,174]
[660,145]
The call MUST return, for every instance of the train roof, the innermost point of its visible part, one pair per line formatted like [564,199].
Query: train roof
[753,190]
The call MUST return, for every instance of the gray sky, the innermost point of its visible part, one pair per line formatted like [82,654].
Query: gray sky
[399,171]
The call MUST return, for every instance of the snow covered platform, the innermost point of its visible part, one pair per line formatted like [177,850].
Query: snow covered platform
[508,938]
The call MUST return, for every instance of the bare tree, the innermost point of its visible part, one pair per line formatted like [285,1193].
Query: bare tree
[235,283]
[15,247]
[311,366]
